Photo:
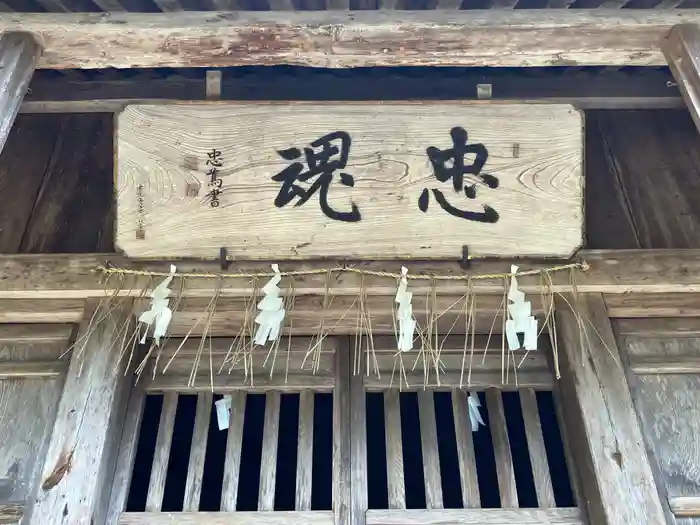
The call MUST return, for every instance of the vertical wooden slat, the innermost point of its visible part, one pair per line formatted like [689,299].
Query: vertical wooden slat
[198,451]
[429,446]
[616,479]
[465,450]
[234,444]
[358,436]
[268,464]
[19,53]
[281,5]
[305,450]
[169,6]
[394,450]
[159,471]
[82,452]
[212,84]
[341,437]
[501,449]
[538,453]
[127,454]
[448,4]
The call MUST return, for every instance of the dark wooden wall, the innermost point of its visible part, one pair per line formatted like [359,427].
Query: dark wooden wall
[642,182]
[642,179]
[56,185]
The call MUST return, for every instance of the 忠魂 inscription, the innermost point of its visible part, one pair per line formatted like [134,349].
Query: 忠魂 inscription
[352,180]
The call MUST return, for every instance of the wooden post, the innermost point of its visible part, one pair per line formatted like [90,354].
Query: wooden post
[81,459]
[19,54]
[681,48]
[616,479]
[342,494]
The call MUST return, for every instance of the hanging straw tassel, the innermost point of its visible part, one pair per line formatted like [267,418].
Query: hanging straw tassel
[272,311]
[159,315]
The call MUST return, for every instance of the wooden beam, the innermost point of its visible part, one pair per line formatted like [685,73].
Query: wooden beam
[315,517]
[79,465]
[33,333]
[31,369]
[19,53]
[616,477]
[685,506]
[337,39]
[682,51]
[610,272]
[658,328]
[639,88]
[561,516]
[11,513]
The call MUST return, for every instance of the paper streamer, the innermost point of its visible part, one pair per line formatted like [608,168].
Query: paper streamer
[271,312]
[159,315]
[404,314]
[521,320]
[223,412]
[474,414]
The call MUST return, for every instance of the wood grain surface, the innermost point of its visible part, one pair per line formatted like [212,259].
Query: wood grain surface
[546,37]
[166,208]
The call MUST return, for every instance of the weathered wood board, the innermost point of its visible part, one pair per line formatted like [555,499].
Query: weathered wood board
[391,189]
[667,405]
[27,407]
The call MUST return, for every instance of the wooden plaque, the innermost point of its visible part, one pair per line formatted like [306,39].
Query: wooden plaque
[349,180]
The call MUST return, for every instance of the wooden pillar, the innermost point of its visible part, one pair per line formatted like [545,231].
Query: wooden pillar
[682,51]
[615,477]
[19,53]
[80,463]
[342,493]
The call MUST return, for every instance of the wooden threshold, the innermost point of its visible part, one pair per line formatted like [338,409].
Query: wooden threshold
[351,39]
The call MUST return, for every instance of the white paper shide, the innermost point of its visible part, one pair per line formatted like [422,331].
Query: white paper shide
[271,314]
[159,315]
[520,318]
[474,413]
[404,314]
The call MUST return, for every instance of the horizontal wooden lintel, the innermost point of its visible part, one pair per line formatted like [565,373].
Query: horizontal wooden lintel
[11,513]
[610,272]
[32,369]
[351,39]
[619,89]
[685,506]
